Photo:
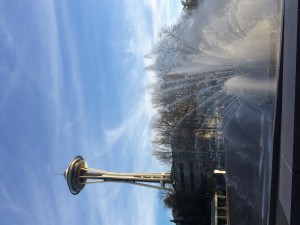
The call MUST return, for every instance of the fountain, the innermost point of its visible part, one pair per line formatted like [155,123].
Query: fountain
[217,72]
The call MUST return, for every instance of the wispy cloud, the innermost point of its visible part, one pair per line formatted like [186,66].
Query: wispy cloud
[29,194]
[112,136]
[130,142]
[36,195]
[164,13]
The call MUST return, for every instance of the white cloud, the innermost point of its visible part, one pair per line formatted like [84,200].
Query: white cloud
[164,13]
[112,136]
[132,138]
[37,185]
[49,201]
[133,134]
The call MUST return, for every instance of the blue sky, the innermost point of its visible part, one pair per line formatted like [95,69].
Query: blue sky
[72,82]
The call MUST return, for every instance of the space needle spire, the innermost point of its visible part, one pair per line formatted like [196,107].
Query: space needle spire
[79,174]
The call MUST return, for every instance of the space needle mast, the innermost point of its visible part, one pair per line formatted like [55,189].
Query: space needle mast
[79,174]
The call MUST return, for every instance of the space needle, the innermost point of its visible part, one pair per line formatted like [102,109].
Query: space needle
[79,174]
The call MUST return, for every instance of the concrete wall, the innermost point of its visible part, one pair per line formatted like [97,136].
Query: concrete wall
[289,159]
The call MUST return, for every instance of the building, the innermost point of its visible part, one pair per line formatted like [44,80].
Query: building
[79,174]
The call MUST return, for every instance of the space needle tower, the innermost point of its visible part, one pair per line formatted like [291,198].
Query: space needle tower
[79,174]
